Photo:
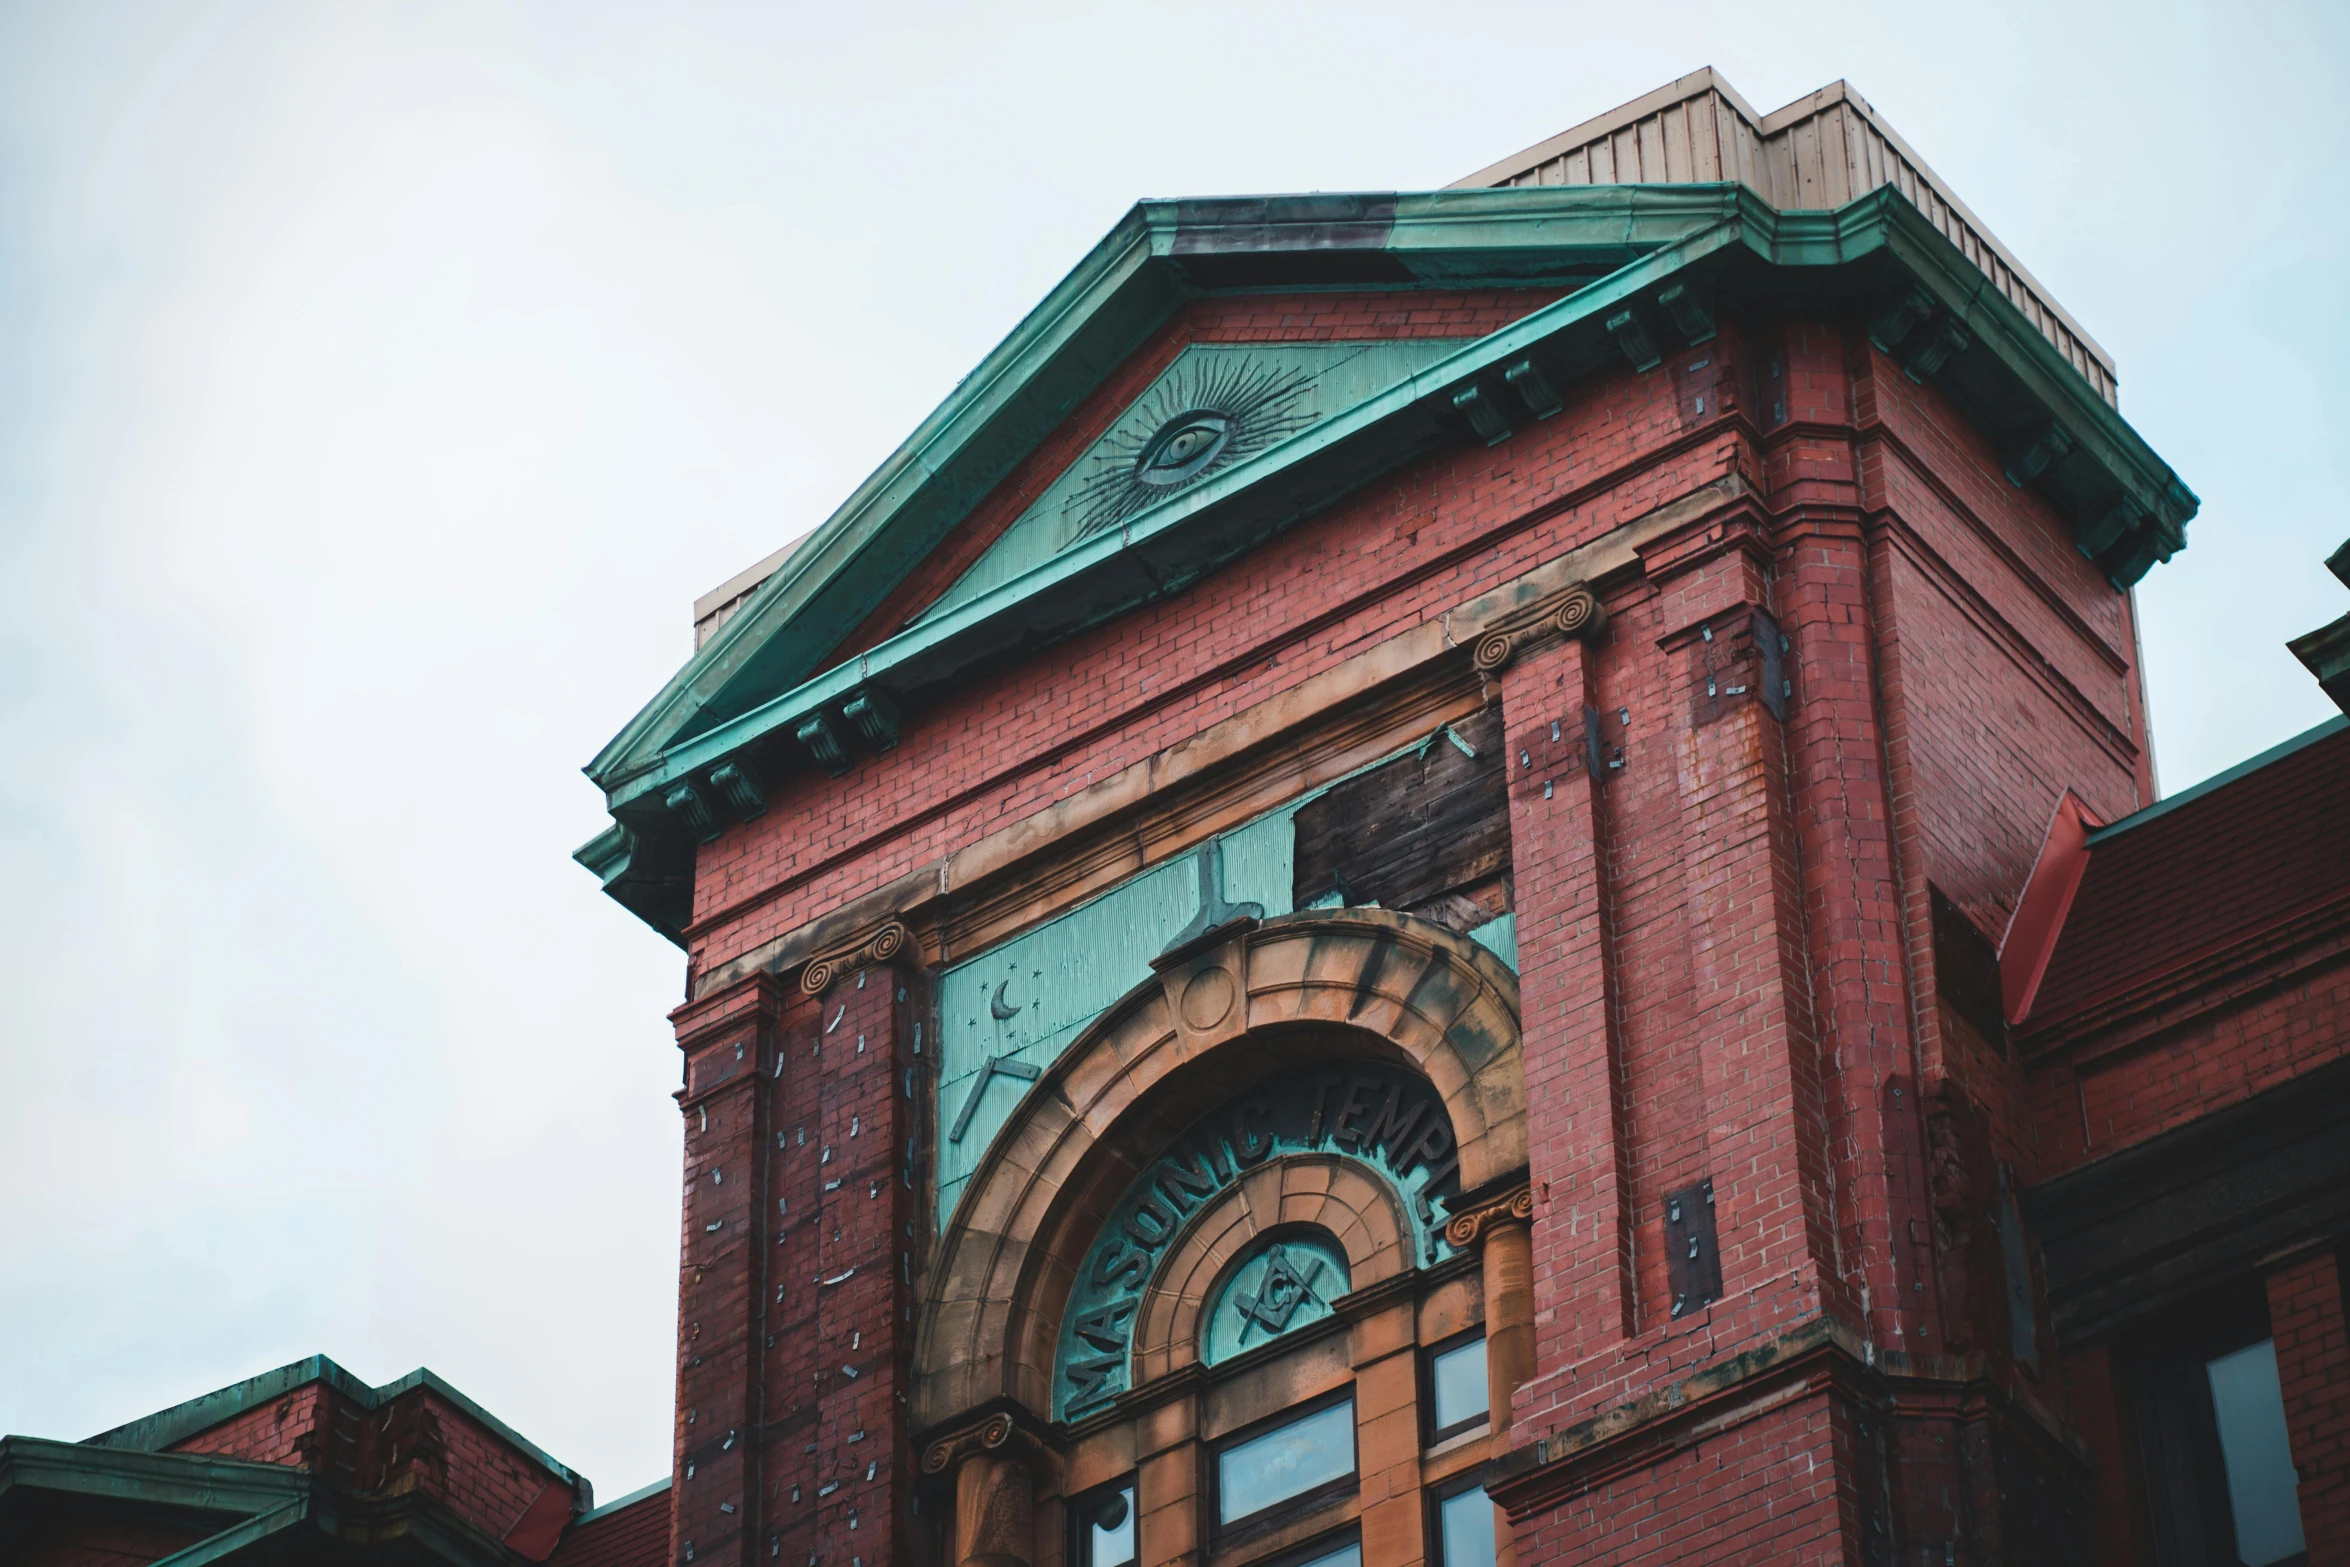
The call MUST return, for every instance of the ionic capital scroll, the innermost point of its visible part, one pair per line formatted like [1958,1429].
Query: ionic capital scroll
[1572,611]
[874,944]
[1465,1229]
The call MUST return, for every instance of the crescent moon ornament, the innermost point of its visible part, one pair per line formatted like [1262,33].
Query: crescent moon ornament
[995,1006]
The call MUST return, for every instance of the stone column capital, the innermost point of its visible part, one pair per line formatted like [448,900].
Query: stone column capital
[1470,1226]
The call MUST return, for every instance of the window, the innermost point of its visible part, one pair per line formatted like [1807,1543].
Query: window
[2213,1451]
[1464,1529]
[1292,1460]
[1348,1555]
[2249,1409]
[1457,1398]
[1104,1522]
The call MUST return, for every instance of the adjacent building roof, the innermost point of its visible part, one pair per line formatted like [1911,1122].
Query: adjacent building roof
[2241,859]
[307,1463]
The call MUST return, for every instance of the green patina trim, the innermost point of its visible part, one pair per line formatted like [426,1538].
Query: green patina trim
[1067,574]
[1384,1120]
[759,676]
[997,1004]
[202,1482]
[159,1431]
[1300,384]
[1288,1282]
[238,1537]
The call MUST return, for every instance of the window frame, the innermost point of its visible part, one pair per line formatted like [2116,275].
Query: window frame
[1439,1494]
[2181,1469]
[1319,1546]
[1432,1434]
[1077,1511]
[1290,1508]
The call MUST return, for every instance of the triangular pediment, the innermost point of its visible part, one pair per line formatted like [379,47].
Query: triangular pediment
[795,679]
[1215,407]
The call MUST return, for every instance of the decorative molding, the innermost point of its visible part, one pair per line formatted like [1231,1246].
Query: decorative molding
[1483,412]
[1888,329]
[1691,315]
[1534,389]
[739,781]
[1632,336]
[1464,1230]
[1123,282]
[1935,348]
[1572,611]
[1001,1433]
[875,716]
[686,803]
[823,743]
[1165,804]
[868,947]
[2032,460]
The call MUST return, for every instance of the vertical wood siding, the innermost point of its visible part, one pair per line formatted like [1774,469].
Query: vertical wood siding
[1819,152]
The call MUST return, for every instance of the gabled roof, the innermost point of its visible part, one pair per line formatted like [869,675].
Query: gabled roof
[769,691]
[264,1500]
[167,1428]
[2212,870]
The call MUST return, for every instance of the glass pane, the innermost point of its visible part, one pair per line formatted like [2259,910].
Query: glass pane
[2251,1413]
[1466,1522]
[1283,1462]
[1348,1555]
[1109,1539]
[1458,1376]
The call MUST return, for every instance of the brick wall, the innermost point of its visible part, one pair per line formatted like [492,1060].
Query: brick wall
[1728,957]
[2313,1368]
[801,1230]
[1776,1488]
[2229,1053]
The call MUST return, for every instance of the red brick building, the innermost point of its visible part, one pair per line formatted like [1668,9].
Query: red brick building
[1473,876]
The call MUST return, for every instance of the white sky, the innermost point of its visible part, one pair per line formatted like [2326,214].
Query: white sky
[378,386]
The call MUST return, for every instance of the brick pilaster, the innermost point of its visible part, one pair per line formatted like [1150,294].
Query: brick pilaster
[2313,1368]
[795,1310]
[1582,1242]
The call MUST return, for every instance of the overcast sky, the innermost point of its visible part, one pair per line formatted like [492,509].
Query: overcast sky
[379,386]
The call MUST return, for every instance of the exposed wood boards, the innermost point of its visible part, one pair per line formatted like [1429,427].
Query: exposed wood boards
[1169,802]
[1819,152]
[1423,825]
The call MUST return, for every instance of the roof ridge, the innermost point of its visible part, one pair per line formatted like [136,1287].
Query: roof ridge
[157,1432]
[2220,780]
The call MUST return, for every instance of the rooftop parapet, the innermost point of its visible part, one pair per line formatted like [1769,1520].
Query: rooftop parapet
[1821,151]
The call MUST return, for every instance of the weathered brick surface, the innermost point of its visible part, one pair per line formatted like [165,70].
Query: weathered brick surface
[1010,743]
[287,1430]
[1729,964]
[2305,1314]
[417,1441]
[1776,1488]
[800,1228]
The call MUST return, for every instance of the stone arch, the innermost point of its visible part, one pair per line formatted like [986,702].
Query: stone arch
[1257,999]
[1335,1195]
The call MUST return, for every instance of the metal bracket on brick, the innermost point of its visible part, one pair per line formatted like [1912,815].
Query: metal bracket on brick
[1693,1258]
